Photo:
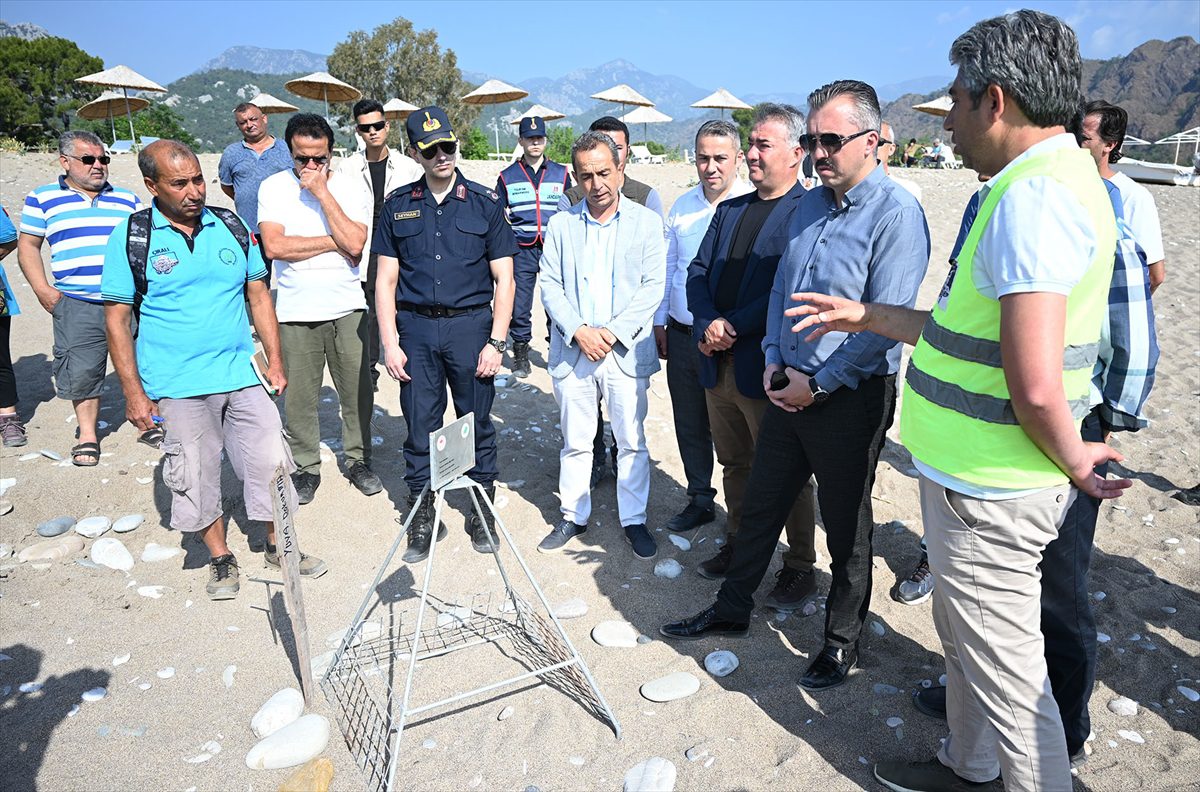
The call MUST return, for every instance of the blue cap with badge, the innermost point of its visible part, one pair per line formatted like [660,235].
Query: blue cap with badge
[532,126]
[429,126]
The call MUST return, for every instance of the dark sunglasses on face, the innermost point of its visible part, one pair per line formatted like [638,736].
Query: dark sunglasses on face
[829,141]
[374,127]
[88,159]
[305,160]
[446,147]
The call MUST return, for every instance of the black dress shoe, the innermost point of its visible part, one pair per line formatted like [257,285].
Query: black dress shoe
[306,486]
[703,624]
[691,518]
[830,668]
[931,701]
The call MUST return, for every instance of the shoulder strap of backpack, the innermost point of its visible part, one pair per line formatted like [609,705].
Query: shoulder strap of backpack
[137,251]
[235,226]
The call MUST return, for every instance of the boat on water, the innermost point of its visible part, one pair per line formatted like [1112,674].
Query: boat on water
[1157,172]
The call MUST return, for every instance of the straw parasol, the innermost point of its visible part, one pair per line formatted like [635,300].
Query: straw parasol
[109,103]
[938,107]
[1186,136]
[644,116]
[398,109]
[323,85]
[495,92]
[269,104]
[623,95]
[722,100]
[539,111]
[127,80]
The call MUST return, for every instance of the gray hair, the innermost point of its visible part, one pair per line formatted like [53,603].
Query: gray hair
[590,141]
[1033,57]
[791,118]
[866,103]
[68,140]
[174,150]
[720,128]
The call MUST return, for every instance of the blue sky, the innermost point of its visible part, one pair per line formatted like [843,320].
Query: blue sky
[746,46]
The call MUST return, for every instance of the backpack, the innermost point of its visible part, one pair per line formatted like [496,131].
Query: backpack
[137,245]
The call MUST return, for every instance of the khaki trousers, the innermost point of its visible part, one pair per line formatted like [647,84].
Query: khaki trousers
[734,420]
[987,610]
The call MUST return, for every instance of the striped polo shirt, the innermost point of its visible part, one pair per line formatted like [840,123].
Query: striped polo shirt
[78,230]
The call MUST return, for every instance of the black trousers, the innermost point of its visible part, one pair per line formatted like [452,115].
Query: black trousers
[690,409]
[372,320]
[8,380]
[1068,627]
[838,443]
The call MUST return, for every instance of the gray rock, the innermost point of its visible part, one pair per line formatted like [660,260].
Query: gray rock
[668,568]
[1123,706]
[614,633]
[56,527]
[571,609]
[894,722]
[656,774]
[1188,693]
[54,455]
[680,542]
[671,687]
[128,523]
[885,690]
[721,663]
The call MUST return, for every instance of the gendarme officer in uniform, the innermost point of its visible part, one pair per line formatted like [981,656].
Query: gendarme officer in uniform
[530,189]
[445,251]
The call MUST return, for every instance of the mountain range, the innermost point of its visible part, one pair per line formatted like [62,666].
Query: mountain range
[22,30]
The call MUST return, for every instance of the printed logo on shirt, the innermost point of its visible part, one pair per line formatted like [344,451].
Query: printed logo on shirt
[228,256]
[409,215]
[164,262]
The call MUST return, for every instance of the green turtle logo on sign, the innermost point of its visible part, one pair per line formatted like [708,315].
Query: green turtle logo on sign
[466,429]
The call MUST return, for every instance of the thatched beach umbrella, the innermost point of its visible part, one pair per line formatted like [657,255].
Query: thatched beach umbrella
[269,104]
[623,95]
[398,109]
[127,80]
[644,116]
[538,111]
[495,92]
[722,100]
[109,104]
[937,107]
[324,86]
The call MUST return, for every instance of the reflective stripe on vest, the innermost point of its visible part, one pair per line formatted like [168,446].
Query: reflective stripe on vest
[957,416]
[532,205]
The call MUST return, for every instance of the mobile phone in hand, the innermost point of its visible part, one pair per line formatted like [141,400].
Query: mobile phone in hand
[779,381]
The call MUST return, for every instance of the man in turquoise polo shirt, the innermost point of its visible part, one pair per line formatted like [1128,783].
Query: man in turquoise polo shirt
[191,368]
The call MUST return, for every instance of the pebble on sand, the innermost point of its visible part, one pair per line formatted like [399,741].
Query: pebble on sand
[668,568]
[1188,693]
[121,660]
[166,673]
[91,527]
[294,744]
[227,675]
[1132,736]
[207,751]
[721,663]
[878,629]
[153,592]
[95,694]
[679,685]
[614,633]
[280,710]
[52,549]
[680,542]
[656,774]
[1123,706]
[505,714]
[314,776]
[111,552]
[56,527]
[128,523]
[157,552]
[571,609]
[894,722]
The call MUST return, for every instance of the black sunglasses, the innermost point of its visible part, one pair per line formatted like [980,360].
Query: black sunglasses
[305,160]
[374,127]
[446,147]
[88,159]
[829,141]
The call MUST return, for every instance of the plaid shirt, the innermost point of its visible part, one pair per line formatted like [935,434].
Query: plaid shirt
[1124,370]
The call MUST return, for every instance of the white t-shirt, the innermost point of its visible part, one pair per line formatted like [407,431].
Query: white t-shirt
[326,286]
[1141,215]
[1040,239]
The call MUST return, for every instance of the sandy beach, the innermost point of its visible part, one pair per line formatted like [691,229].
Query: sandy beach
[64,626]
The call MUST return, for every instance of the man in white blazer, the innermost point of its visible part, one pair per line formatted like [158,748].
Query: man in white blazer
[603,272]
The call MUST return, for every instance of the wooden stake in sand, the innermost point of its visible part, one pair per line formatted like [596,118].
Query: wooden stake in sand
[289,561]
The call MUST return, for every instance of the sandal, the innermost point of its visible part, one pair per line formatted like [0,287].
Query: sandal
[153,437]
[89,451]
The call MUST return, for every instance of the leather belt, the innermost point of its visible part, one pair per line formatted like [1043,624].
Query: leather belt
[680,326]
[439,311]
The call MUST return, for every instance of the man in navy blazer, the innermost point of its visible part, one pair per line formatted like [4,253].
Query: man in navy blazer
[728,288]
[603,271]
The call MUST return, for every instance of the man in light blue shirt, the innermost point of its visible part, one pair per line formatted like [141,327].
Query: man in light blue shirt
[603,270]
[245,164]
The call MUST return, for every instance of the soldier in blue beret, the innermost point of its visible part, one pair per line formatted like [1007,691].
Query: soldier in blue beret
[444,297]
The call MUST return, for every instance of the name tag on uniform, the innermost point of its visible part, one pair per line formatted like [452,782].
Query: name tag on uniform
[407,215]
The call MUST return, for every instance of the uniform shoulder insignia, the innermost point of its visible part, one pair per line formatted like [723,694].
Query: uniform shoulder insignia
[393,193]
[417,191]
[479,189]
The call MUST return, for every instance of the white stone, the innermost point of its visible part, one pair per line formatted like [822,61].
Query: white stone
[95,694]
[121,660]
[653,775]
[894,722]
[144,686]
[6,484]
[156,552]
[6,550]
[56,527]
[577,761]
[320,664]
[111,553]
[91,527]
[505,714]
[54,455]
[615,633]
[292,745]
[29,456]
[1188,693]
[881,689]
[680,542]
[455,617]
[207,751]
[1123,706]
[144,479]
[283,708]
[1132,736]
[721,663]
[679,685]
[571,609]
[52,549]
[153,592]
[1103,637]
[1099,596]
[128,523]
[30,687]
[166,673]
[668,568]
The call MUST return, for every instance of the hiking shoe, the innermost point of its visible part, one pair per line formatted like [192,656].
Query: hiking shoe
[420,531]
[931,701]
[223,578]
[691,518]
[306,486]
[310,566]
[363,479]
[919,586]
[930,776]
[716,567]
[562,533]
[13,431]
[792,589]
[483,530]
[520,367]
[641,541]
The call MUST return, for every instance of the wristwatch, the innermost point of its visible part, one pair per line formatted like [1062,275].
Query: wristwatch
[498,345]
[819,394]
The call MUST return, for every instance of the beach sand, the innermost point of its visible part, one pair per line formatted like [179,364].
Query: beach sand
[62,626]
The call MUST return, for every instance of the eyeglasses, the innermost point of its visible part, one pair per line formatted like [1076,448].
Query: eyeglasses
[88,159]
[886,142]
[374,127]
[305,160]
[829,141]
[446,147]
